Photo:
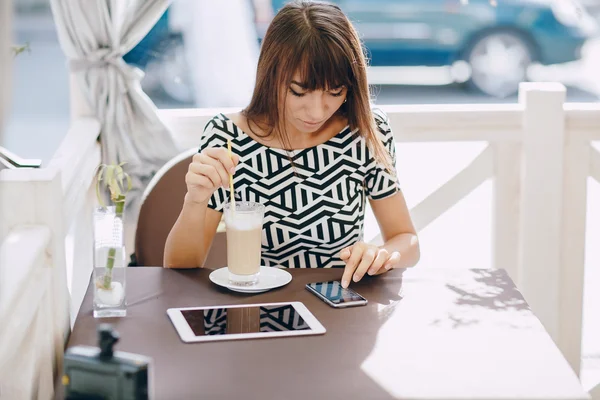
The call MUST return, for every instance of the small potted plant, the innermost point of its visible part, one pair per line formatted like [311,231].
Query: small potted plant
[109,243]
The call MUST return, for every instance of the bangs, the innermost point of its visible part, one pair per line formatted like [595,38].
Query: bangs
[323,65]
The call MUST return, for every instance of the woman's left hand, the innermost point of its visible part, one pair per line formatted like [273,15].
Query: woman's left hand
[362,258]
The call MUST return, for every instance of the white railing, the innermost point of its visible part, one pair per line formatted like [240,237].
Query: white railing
[31,321]
[539,155]
[39,288]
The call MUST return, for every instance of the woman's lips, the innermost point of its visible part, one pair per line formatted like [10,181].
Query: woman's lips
[309,123]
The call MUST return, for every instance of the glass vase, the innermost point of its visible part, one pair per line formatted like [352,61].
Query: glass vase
[109,263]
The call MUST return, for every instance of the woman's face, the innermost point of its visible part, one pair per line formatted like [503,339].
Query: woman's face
[308,111]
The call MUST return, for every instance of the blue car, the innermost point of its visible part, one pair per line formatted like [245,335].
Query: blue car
[489,43]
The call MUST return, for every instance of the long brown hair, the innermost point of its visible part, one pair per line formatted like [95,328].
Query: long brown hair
[318,41]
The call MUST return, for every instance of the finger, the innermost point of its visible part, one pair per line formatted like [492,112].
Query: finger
[210,172]
[193,179]
[351,265]
[196,158]
[380,260]
[345,253]
[393,261]
[220,168]
[367,259]
[222,154]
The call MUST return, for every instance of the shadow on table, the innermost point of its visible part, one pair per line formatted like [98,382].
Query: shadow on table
[494,290]
[487,289]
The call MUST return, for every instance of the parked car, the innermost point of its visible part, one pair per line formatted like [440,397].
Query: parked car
[489,46]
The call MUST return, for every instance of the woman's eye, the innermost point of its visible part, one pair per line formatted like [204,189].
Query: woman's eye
[296,93]
[337,91]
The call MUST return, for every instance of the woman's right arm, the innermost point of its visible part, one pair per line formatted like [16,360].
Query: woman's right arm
[190,238]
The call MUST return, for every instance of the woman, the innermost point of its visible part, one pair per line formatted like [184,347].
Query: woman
[310,149]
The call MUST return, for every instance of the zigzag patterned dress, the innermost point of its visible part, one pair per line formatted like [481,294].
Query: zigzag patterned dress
[315,207]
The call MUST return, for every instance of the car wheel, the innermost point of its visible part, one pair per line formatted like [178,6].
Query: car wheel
[498,62]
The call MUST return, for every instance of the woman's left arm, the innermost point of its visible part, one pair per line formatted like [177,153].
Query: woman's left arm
[400,248]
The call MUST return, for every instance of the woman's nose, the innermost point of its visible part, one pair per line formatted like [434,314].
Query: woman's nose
[317,108]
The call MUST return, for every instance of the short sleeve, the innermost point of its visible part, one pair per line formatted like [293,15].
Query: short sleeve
[214,137]
[379,182]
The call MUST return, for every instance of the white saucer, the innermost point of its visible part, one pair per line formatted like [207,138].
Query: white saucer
[269,278]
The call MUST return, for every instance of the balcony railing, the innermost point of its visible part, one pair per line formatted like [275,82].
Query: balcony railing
[539,155]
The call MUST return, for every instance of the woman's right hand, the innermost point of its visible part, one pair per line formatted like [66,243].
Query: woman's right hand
[208,171]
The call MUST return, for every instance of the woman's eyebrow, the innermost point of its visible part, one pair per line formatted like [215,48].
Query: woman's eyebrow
[302,85]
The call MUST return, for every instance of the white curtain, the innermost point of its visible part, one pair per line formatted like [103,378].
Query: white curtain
[94,35]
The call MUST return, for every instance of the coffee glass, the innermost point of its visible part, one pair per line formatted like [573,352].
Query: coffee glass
[244,236]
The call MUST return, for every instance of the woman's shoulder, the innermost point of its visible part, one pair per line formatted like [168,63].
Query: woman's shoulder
[231,125]
[217,122]
[221,127]
[382,121]
[216,132]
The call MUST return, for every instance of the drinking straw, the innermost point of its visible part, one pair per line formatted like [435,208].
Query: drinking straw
[231,180]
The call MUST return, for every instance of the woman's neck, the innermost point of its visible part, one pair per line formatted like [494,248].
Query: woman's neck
[302,140]
[297,139]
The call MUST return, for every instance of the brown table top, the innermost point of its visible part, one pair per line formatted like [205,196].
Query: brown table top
[425,334]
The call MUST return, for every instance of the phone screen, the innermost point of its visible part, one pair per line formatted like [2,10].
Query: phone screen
[334,292]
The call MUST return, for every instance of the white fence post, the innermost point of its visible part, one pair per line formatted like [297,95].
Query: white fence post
[577,169]
[541,198]
[542,271]
[81,262]
[48,201]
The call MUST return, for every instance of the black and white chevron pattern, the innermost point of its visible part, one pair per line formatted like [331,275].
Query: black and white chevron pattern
[272,319]
[207,322]
[215,321]
[281,319]
[314,207]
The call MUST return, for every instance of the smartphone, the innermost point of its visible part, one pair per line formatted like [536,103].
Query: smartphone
[335,295]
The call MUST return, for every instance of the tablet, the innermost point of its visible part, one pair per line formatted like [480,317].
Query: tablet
[244,321]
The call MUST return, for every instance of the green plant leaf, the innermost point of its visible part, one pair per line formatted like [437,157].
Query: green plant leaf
[113,178]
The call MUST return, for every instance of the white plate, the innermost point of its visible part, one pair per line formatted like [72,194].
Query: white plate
[269,278]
